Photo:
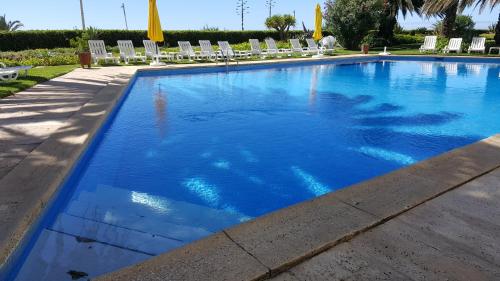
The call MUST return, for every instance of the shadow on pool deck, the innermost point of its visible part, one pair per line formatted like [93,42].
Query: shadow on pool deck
[47,112]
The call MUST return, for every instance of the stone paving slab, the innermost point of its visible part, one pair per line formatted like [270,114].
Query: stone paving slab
[452,237]
[214,258]
[281,239]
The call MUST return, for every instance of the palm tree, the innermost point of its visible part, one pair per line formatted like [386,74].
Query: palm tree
[449,8]
[9,26]
[391,11]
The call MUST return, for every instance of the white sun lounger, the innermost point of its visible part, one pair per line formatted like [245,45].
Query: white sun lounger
[186,51]
[429,44]
[455,45]
[20,68]
[328,44]
[478,45]
[152,51]
[272,48]
[8,74]
[313,47]
[227,51]
[98,52]
[127,52]
[256,50]
[207,51]
[297,48]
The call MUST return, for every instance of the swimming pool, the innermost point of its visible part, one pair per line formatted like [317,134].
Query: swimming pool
[191,152]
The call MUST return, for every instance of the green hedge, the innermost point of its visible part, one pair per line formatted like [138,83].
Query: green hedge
[24,40]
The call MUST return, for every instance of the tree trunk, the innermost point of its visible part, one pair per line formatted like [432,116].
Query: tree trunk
[387,24]
[497,32]
[449,20]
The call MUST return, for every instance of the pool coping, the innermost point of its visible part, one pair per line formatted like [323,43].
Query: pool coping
[42,183]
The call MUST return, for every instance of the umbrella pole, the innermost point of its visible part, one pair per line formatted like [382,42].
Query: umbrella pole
[319,55]
[157,61]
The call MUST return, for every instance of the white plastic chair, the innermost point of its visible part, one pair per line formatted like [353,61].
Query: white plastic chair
[227,51]
[313,47]
[8,75]
[328,44]
[272,48]
[152,51]
[20,68]
[429,44]
[127,52]
[98,52]
[297,48]
[477,45]
[455,45]
[256,50]
[207,51]
[186,51]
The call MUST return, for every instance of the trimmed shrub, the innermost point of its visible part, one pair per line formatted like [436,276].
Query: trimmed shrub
[50,39]
[404,39]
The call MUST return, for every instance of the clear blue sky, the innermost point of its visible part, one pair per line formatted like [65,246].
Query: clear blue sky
[186,14]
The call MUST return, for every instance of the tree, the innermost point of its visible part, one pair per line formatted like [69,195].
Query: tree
[463,27]
[282,23]
[9,26]
[242,9]
[352,20]
[449,9]
[392,8]
[270,5]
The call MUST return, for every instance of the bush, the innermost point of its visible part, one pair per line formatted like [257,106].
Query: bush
[403,39]
[351,20]
[50,39]
[40,57]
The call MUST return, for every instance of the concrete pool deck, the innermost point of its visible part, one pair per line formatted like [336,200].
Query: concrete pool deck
[43,140]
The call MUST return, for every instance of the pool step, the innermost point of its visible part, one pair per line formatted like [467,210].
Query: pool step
[57,256]
[85,230]
[151,214]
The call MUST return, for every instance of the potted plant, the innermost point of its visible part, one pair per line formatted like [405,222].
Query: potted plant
[82,47]
[368,40]
[365,48]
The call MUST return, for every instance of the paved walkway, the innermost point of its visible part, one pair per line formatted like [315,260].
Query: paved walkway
[28,118]
[453,237]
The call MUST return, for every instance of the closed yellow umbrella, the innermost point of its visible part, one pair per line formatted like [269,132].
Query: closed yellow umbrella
[155,33]
[318,26]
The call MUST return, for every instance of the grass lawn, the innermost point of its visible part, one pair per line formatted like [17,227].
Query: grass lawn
[35,76]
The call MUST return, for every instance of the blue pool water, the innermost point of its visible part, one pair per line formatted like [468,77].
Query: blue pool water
[188,155]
